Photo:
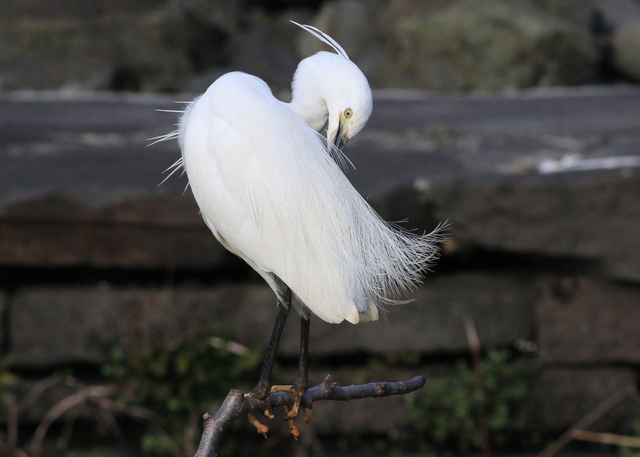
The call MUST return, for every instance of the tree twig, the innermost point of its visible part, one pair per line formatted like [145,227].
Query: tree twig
[62,407]
[476,358]
[606,438]
[605,406]
[237,404]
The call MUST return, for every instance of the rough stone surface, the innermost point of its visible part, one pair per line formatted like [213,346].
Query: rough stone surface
[490,45]
[583,219]
[140,232]
[563,396]
[500,307]
[183,46]
[105,51]
[617,13]
[71,325]
[563,166]
[602,319]
[361,25]
[626,48]
[601,16]
[267,50]
[104,317]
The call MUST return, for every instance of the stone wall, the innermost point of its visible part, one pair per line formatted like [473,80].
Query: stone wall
[168,46]
[542,191]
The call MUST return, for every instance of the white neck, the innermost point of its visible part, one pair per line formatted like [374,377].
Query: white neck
[311,107]
[309,90]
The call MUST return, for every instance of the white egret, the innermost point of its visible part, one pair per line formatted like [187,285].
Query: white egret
[269,188]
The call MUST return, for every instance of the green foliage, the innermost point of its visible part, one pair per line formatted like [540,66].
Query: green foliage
[178,382]
[450,411]
[628,451]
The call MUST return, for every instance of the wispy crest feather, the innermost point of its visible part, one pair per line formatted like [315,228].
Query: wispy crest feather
[319,34]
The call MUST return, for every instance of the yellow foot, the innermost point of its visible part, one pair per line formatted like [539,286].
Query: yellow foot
[297,392]
[260,427]
[268,413]
[293,411]
[305,415]
[290,417]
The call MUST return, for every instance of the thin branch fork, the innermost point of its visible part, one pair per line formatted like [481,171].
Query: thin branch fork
[236,404]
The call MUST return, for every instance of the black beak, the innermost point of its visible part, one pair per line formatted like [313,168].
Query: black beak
[340,140]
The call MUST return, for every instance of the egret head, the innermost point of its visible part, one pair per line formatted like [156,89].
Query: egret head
[349,103]
[330,90]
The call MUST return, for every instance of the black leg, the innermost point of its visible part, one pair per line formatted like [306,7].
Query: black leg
[302,379]
[264,388]
[300,385]
[261,390]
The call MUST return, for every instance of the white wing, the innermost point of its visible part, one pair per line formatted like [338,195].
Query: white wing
[270,193]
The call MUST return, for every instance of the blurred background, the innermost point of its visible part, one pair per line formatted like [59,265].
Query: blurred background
[122,320]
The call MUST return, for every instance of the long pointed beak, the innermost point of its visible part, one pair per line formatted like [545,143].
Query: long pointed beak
[340,138]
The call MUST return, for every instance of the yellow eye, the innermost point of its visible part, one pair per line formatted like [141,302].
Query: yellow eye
[348,113]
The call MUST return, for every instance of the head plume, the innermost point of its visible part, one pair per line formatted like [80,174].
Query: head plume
[326,39]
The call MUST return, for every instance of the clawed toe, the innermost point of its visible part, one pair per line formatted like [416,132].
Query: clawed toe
[293,411]
[260,427]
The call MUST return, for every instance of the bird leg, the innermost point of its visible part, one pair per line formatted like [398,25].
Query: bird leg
[301,383]
[302,380]
[262,389]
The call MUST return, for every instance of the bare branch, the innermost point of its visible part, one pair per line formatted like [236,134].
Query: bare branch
[36,391]
[62,407]
[606,438]
[237,404]
[233,406]
[604,407]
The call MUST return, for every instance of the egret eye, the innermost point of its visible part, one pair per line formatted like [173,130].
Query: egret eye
[348,113]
